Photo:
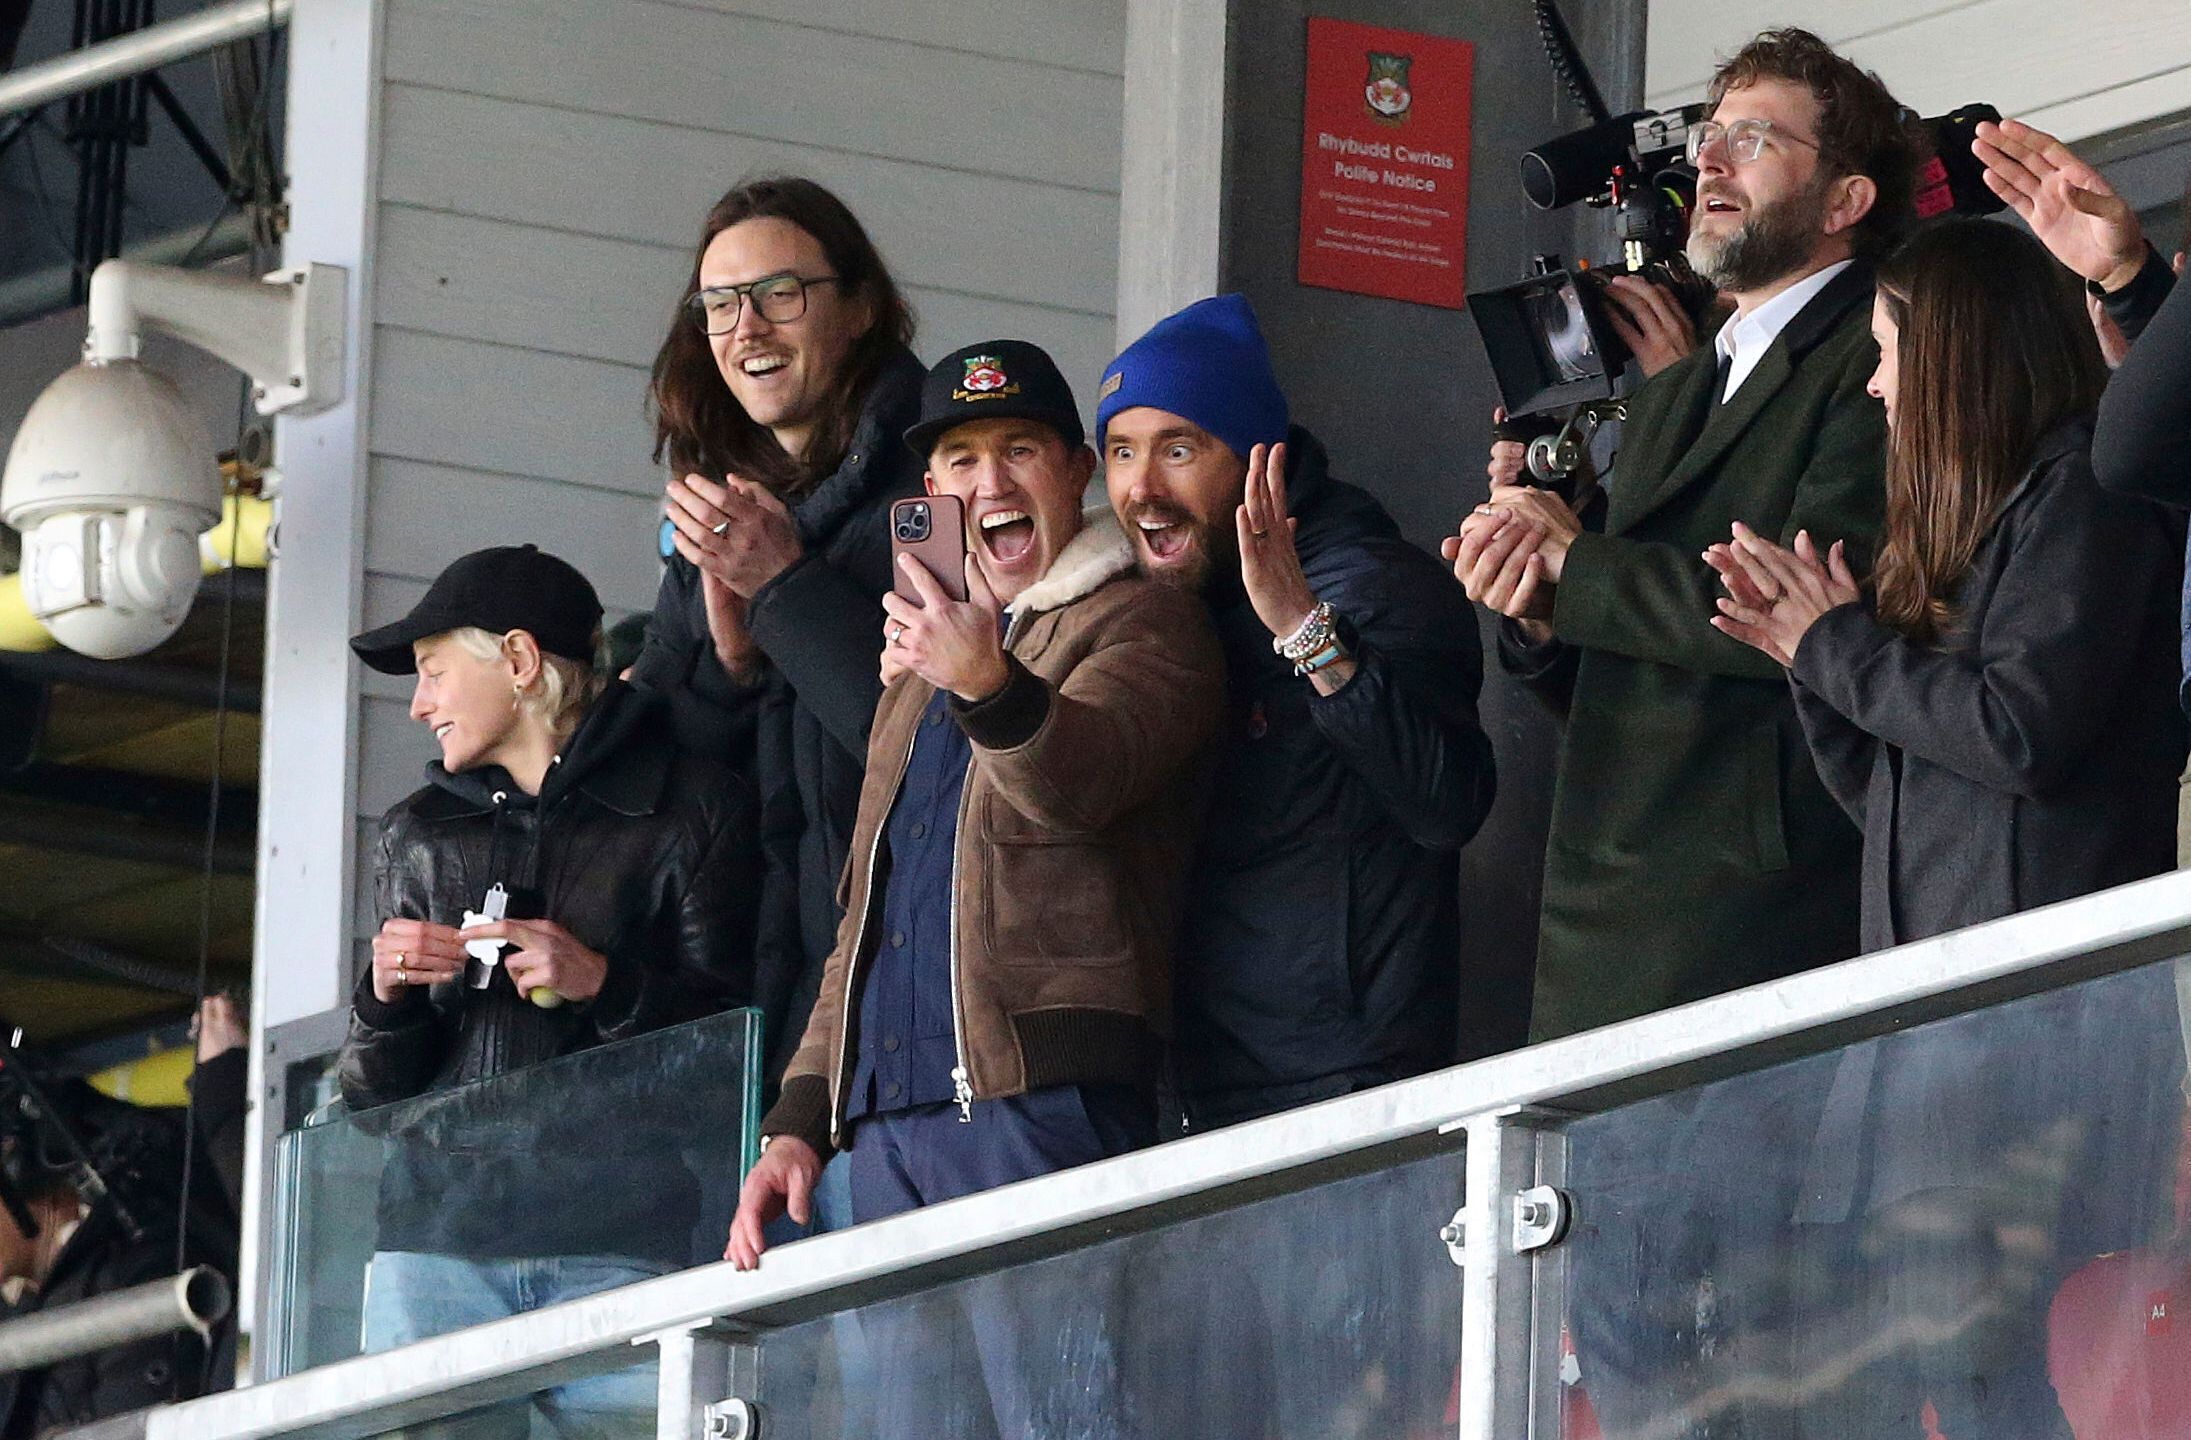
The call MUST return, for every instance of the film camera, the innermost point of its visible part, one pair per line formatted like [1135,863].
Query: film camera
[1549,341]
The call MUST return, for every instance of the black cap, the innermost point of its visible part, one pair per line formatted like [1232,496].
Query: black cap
[995,380]
[511,587]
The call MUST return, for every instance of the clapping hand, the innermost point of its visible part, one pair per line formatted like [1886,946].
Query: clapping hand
[1775,595]
[737,531]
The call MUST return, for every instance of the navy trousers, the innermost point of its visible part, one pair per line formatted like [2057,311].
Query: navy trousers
[1043,1359]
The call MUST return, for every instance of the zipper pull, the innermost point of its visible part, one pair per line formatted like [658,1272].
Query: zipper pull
[962,1089]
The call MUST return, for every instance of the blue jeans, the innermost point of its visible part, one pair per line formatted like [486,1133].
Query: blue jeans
[413,1296]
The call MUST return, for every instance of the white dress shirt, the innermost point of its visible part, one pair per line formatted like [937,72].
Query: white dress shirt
[1743,341]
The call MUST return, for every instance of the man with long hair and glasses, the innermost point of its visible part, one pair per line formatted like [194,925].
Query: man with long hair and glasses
[778,399]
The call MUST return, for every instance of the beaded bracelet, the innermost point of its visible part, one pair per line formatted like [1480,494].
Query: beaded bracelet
[1315,634]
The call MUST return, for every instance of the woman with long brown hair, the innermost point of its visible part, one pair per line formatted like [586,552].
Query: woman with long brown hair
[1997,711]
[779,397]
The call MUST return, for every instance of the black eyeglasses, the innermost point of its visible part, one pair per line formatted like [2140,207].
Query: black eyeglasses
[780,299]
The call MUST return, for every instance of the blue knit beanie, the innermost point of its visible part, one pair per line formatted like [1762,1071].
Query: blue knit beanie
[1208,364]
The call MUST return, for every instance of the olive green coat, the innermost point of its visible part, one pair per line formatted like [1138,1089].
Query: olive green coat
[1693,849]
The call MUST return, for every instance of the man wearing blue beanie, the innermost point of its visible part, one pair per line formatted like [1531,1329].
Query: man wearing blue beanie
[1320,950]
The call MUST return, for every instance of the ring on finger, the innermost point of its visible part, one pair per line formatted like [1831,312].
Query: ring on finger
[895,631]
[401,978]
[719,529]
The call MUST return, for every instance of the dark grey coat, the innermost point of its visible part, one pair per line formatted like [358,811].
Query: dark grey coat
[2031,758]
[2034,756]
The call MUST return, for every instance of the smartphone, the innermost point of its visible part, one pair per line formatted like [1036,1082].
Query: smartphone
[931,529]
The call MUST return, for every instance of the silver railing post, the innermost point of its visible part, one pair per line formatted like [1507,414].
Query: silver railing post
[709,1383]
[1506,1240]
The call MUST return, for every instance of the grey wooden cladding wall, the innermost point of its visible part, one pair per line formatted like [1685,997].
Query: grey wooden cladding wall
[461,277]
[940,229]
[713,70]
[542,174]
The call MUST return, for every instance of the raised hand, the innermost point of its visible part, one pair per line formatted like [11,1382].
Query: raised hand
[2069,205]
[1270,566]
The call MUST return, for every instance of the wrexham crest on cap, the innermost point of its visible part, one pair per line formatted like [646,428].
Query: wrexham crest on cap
[1387,91]
[985,380]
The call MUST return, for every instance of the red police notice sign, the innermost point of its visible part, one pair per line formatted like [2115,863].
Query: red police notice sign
[1384,163]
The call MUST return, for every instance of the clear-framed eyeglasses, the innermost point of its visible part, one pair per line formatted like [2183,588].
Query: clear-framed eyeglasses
[780,299]
[1745,138]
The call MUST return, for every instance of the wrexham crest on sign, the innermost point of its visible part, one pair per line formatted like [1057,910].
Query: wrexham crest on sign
[1387,90]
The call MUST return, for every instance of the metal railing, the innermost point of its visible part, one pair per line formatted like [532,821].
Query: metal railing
[148,49]
[704,1322]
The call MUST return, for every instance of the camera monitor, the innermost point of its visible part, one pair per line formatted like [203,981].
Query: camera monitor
[1548,341]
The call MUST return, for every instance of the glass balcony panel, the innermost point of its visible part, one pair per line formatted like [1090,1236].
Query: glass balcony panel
[1971,1228]
[460,1206]
[620,1405]
[1334,1311]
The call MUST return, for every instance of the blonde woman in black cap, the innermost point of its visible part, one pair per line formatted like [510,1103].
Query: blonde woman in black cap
[617,876]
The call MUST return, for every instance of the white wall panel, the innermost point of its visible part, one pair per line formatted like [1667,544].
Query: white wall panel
[939,227]
[2081,69]
[609,300]
[521,412]
[428,515]
[392,753]
[732,73]
[1083,35]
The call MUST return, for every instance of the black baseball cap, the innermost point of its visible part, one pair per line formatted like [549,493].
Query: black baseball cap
[995,380]
[511,587]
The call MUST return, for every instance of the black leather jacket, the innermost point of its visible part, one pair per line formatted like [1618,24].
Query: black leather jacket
[644,852]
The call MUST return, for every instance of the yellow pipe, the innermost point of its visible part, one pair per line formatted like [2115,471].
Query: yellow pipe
[245,523]
[19,629]
[161,1078]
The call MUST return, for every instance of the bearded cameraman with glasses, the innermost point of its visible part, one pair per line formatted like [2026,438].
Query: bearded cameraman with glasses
[1693,849]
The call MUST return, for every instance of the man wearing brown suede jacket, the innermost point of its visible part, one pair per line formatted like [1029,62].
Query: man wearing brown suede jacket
[999,993]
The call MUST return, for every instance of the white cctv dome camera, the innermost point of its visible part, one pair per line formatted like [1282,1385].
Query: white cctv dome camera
[111,480]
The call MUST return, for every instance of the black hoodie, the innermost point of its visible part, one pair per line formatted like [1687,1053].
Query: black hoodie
[647,855]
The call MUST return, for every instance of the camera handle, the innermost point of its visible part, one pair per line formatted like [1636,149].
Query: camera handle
[1554,459]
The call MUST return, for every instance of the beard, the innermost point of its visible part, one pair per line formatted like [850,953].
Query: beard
[1211,550]
[1771,242]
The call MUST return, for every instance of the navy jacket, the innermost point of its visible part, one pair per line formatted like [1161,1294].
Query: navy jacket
[1321,949]
[801,731]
